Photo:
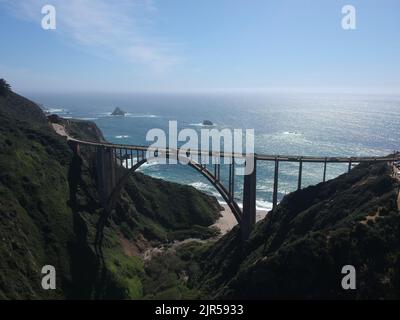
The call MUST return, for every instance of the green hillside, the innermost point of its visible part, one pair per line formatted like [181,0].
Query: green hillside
[299,250]
[49,209]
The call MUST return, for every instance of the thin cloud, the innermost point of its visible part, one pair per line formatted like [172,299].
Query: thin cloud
[118,29]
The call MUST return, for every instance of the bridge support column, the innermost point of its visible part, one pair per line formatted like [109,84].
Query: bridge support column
[249,202]
[232,180]
[75,147]
[276,181]
[300,174]
[105,170]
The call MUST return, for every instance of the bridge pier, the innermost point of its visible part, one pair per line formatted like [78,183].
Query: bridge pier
[232,180]
[105,170]
[276,180]
[75,147]
[249,203]
[300,174]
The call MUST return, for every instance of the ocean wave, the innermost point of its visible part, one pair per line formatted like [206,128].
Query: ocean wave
[87,119]
[199,185]
[207,188]
[202,125]
[130,115]
[292,133]
[261,186]
[261,205]
[122,137]
[129,163]
[56,110]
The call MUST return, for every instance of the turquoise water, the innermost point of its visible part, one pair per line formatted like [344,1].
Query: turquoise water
[301,124]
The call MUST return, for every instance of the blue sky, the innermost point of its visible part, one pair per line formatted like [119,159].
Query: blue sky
[190,45]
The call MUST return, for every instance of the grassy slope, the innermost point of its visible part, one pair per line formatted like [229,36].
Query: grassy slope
[36,223]
[298,251]
[49,207]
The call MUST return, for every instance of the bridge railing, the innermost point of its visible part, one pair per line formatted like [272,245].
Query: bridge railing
[261,157]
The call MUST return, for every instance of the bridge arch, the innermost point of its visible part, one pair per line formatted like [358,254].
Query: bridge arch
[107,160]
[216,183]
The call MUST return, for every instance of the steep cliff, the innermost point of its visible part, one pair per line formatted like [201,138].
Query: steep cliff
[49,210]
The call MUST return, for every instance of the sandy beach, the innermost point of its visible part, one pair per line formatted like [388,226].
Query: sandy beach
[228,221]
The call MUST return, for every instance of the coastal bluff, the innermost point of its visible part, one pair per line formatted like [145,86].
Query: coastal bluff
[50,208]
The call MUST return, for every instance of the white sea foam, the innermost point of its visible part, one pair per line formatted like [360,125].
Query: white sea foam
[205,188]
[129,163]
[56,110]
[122,137]
[130,115]
[261,186]
[260,205]
[202,125]
[200,185]
[87,119]
[292,133]
[263,205]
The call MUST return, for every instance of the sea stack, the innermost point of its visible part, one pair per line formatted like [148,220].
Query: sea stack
[207,123]
[118,112]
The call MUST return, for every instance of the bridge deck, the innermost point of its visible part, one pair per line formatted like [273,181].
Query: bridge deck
[262,157]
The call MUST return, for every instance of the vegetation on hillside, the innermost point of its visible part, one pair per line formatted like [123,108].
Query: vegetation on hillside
[4,88]
[49,209]
[299,250]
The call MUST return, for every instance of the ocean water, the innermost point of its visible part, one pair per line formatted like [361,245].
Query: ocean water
[284,124]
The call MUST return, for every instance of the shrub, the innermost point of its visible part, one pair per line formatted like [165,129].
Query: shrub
[5,88]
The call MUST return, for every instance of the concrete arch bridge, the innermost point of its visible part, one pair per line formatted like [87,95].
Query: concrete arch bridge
[109,156]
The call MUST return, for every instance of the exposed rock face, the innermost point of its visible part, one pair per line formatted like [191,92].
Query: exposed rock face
[118,112]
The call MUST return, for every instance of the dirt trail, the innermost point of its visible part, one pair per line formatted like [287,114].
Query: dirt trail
[225,224]
[59,129]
